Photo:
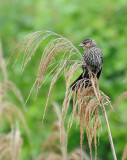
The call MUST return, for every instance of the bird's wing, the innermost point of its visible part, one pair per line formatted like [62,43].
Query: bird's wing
[93,57]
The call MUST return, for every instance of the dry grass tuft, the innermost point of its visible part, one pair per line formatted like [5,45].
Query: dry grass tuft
[52,143]
[87,102]
[10,145]
[8,110]
[57,45]
[11,142]
[54,151]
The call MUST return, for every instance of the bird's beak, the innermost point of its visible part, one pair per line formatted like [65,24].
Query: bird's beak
[81,45]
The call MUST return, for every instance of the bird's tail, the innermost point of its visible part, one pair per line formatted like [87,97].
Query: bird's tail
[84,79]
[80,81]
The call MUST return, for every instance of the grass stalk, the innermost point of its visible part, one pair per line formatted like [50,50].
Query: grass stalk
[109,132]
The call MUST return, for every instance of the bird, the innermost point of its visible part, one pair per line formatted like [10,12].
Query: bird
[92,59]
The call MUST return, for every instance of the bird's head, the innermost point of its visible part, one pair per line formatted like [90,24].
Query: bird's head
[87,43]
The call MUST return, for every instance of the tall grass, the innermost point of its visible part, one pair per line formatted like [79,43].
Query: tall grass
[87,103]
[10,142]
[52,150]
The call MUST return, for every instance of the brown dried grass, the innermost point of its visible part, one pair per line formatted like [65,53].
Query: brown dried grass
[50,148]
[7,109]
[87,102]
[52,143]
[86,105]
[11,142]
[10,145]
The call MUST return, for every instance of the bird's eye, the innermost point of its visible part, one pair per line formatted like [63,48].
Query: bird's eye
[84,42]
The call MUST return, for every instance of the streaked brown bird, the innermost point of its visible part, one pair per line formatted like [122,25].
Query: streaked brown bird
[92,59]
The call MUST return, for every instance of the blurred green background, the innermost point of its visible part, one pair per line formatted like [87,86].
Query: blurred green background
[105,22]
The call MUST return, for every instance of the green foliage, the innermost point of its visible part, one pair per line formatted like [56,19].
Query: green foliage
[105,22]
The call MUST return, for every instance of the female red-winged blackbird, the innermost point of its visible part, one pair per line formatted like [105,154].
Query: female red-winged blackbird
[92,59]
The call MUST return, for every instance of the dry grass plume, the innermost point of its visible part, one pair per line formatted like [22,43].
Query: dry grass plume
[87,103]
[10,142]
